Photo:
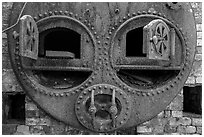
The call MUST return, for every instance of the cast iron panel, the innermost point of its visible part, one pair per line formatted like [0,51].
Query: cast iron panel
[101,85]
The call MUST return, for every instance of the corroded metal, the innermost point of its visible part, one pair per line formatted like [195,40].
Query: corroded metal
[111,84]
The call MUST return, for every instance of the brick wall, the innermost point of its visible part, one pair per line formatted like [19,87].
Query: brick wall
[170,121]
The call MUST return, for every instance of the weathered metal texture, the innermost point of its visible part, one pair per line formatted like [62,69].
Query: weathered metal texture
[128,90]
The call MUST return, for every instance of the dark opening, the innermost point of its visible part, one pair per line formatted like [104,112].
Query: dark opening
[60,79]
[104,101]
[192,99]
[146,79]
[13,108]
[134,43]
[60,42]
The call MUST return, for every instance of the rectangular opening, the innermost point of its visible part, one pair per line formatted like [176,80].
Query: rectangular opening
[192,99]
[13,108]
[60,42]
[134,43]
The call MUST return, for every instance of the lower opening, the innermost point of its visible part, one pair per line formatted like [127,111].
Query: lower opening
[192,99]
[134,43]
[60,79]
[146,78]
[13,108]
[103,103]
[59,42]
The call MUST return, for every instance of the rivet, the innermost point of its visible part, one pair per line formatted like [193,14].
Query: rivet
[56,94]
[128,14]
[143,94]
[35,18]
[61,94]
[95,33]
[78,102]
[113,28]
[97,37]
[159,14]
[90,81]
[117,11]
[148,94]
[94,88]
[80,18]
[154,12]
[144,12]
[60,12]
[40,15]
[158,92]
[45,14]
[50,13]
[171,85]
[70,13]
[56,12]
[85,21]
[92,28]
[51,94]
[106,43]
[120,21]
[167,88]
[85,93]
[76,15]
[107,38]
[78,108]
[98,42]
[109,32]
[121,122]
[100,87]
[139,12]
[66,12]
[124,18]
[86,85]
[80,97]
[67,94]
[133,14]
[89,24]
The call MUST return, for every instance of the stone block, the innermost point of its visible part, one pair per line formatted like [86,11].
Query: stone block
[176,113]
[45,121]
[199,130]
[31,106]
[199,49]
[197,121]
[144,129]
[167,113]
[184,121]
[199,27]
[198,80]
[169,129]
[196,69]
[190,129]
[173,121]
[8,129]
[23,129]
[199,35]
[32,121]
[190,80]
[158,129]
[198,57]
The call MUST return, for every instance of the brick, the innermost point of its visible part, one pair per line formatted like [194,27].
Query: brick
[173,121]
[177,113]
[143,129]
[196,121]
[185,121]
[23,129]
[8,77]
[158,129]
[198,80]
[199,42]
[161,114]
[8,129]
[196,69]
[186,129]
[198,57]
[167,113]
[30,106]
[199,49]
[199,35]
[190,80]
[169,129]
[45,121]
[199,130]
[199,27]
[32,121]
[190,129]
[4,35]
[37,130]
[31,114]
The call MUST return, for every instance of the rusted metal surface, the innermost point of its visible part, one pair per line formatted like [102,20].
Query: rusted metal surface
[121,74]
